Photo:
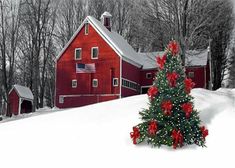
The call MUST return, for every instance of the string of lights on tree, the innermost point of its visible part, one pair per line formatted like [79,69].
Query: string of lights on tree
[170,118]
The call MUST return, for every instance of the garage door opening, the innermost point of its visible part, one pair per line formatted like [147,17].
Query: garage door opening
[144,90]
[26,106]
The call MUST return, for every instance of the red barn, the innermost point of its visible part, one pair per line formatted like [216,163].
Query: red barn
[20,100]
[98,64]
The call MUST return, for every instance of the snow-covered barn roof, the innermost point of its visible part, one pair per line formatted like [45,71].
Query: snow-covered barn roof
[149,59]
[124,50]
[196,58]
[117,42]
[23,92]
[192,58]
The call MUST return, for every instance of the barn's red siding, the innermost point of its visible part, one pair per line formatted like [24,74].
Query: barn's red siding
[199,76]
[107,67]
[14,102]
[131,73]
[144,80]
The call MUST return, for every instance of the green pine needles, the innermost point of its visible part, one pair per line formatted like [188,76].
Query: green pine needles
[171,118]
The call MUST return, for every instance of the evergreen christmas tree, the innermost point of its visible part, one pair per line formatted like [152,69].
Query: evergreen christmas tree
[171,118]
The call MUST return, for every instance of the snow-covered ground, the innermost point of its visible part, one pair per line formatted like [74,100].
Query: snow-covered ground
[98,136]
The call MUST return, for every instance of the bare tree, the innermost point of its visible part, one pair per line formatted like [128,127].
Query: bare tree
[70,15]
[9,38]
[48,55]
[36,16]
[97,7]
[192,23]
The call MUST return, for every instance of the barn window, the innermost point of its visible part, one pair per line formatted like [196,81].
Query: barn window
[74,83]
[94,52]
[78,54]
[148,75]
[130,85]
[61,99]
[86,28]
[95,83]
[191,74]
[115,81]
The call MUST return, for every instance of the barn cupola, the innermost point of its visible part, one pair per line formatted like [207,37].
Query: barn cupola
[106,20]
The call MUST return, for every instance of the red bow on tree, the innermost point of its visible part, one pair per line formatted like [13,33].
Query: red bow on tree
[152,129]
[177,138]
[204,131]
[152,92]
[166,107]
[173,47]
[189,84]
[187,108]
[135,134]
[161,61]
[172,77]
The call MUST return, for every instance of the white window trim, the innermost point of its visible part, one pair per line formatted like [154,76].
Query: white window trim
[129,87]
[96,82]
[61,99]
[75,58]
[92,52]
[86,26]
[74,80]
[146,75]
[117,82]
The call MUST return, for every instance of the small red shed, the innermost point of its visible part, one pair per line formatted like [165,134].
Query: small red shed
[20,100]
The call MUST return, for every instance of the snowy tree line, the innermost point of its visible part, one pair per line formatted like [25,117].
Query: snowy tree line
[33,32]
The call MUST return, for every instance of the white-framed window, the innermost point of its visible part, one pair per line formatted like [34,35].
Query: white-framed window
[130,85]
[95,83]
[61,99]
[94,52]
[78,54]
[115,81]
[148,75]
[191,74]
[86,28]
[74,83]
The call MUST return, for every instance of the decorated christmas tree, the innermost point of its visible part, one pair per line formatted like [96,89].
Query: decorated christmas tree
[170,118]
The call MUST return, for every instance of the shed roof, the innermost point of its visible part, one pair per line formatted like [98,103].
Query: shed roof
[23,92]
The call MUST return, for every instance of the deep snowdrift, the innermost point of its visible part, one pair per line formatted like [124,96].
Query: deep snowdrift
[98,136]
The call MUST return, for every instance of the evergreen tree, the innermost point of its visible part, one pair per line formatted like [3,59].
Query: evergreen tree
[171,118]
